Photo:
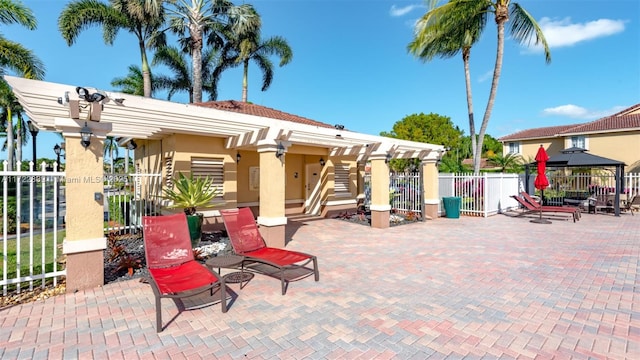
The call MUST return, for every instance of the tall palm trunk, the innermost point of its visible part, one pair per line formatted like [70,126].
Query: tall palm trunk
[18,142]
[10,148]
[502,16]
[146,70]
[245,80]
[111,156]
[466,54]
[196,55]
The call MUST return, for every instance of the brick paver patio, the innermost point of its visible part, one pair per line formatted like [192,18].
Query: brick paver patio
[467,288]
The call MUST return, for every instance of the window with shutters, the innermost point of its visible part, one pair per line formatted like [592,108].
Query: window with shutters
[341,180]
[213,168]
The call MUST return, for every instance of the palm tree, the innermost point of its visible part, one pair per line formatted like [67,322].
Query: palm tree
[133,83]
[16,136]
[15,57]
[111,147]
[211,20]
[251,47]
[142,18]
[443,34]
[181,80]
[507,163]
[446,25]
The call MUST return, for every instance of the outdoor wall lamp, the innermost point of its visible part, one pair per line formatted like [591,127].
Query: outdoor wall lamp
[280,150]
[388,158]
[131,145]
[238,157]
[85,135]
[322,162]
[84,94]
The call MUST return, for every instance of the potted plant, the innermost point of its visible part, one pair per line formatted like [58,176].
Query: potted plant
[191,193]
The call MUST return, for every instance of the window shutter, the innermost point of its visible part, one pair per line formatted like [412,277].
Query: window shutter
[213,168]
[341,179]
[168,169]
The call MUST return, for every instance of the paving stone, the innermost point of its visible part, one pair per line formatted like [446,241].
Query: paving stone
[496,287]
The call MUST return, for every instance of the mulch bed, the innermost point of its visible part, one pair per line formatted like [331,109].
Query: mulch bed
[364,217]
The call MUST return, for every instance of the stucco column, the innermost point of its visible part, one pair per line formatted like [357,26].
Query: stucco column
[272,219]
[84,242]
[380,206]
[430,188]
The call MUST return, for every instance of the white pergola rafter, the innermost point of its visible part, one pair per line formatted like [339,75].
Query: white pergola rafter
[146,118]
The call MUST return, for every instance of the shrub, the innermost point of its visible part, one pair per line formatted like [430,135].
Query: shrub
[11,216]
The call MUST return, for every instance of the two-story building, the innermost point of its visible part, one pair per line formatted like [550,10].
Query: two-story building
[616,137]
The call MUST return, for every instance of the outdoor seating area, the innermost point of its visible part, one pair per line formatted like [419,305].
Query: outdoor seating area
[248,242]
[531,206]
[175,273]
[474,288]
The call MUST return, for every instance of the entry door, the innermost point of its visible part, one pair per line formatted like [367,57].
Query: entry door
[312,189]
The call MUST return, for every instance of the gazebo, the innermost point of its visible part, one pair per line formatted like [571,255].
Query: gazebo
[578,157]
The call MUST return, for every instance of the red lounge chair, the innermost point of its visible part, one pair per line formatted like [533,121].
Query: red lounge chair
[247,241]
[173,271]
[567,209]
[545,209]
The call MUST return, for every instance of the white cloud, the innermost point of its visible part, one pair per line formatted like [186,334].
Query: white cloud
[563,33]
[486,76]
[578,112]
[401,11]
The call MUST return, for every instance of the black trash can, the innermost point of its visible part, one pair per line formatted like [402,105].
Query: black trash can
[452,206]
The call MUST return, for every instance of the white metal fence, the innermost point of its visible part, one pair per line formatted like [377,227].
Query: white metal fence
[32,227]
[481,195]
[128,197]
[405,191]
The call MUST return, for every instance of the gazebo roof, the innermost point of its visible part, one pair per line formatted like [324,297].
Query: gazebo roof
[578,157]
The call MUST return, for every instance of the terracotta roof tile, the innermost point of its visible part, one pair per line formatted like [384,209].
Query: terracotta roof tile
[258,110]
[622,120]
[610,123]
[543,132]
[628,110]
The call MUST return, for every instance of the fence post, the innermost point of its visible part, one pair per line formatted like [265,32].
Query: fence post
[430,188]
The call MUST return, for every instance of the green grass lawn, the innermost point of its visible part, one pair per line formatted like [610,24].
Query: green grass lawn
[14,258]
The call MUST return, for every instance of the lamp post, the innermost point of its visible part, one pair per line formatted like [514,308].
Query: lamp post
[34,133]
[57,149]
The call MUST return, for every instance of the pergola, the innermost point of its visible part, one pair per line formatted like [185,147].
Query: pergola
[578,157]
[138,117]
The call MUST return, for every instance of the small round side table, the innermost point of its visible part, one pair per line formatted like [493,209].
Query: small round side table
[231,262]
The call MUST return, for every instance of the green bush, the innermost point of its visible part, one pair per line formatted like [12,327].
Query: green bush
[11,216]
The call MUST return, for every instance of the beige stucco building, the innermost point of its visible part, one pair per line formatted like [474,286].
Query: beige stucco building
[616,137]
[277,163]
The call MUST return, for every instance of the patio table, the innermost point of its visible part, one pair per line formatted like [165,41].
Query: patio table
[231,262]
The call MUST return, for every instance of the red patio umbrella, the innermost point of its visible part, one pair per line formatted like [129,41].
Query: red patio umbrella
[541,181]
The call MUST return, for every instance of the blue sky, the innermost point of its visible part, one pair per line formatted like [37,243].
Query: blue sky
[351,67]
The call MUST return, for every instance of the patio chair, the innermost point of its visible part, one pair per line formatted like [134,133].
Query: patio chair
[173,271]
[246,241]
[633,204]
[577,214]
[530,208]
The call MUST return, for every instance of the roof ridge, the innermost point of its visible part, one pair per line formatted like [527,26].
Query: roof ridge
[260,110]
[621,112]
